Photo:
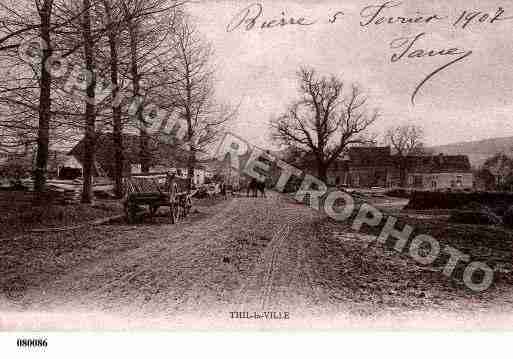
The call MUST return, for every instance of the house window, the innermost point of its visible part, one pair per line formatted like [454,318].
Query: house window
[418,182]
[459,181]
[356,180]
[433,184]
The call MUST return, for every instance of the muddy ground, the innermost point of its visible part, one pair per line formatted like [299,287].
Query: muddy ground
[251,255]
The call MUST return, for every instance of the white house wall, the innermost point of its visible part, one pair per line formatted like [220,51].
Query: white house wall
[434,181]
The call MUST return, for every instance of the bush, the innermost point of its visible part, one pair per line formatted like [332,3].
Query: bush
[482,217]
[508,217]
[399,193]
[476,207]
[459,200]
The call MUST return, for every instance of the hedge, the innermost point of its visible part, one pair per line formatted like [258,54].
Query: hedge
[497,201]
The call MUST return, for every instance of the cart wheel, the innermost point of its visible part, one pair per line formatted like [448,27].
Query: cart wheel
[153,210]
[173,213]
[127,213]
[131,211]
[178,212]
[188,206]
[180,209]
[184,211]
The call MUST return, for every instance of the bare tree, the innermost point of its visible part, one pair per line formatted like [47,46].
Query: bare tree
[192,93]
[150,24]
[90,106]
[406,140]
[99,35]
[135,30]
[117,128]
[143,30]
[325,121]
[43,25]
[28,95]
[45,101]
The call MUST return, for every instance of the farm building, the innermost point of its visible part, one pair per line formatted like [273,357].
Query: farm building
[164,158]
[365,167]
[377,167]
[440,172]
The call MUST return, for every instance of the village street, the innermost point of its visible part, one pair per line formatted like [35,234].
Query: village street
[250,255]
[243,255]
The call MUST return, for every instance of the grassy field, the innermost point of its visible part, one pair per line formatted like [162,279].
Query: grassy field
[29,258]
[17,218]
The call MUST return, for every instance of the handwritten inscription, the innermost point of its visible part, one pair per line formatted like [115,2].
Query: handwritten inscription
[376,15]
[405,48]
[250,18]
[408,49]
[335,17]
[470,17]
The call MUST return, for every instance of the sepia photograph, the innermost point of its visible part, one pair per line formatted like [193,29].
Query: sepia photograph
[177,165]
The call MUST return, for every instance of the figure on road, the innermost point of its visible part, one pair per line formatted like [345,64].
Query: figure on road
[222,190]
[261,188]
[252,187]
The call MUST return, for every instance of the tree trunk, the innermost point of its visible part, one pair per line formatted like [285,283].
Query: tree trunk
[402,172]
[118,142]
[90,112]
[116,107]
[191,160]
[322,172]
[190,171]
[134,70]
[45,102]
[145,156]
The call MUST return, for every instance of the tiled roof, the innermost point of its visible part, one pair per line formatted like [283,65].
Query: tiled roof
[438,164]
[161,154]
[369,156]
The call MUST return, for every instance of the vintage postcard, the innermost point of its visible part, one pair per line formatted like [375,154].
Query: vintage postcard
[242,165]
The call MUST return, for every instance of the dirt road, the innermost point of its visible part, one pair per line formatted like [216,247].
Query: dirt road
[250,256]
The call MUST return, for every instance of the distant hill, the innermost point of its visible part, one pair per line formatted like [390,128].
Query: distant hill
[477,151]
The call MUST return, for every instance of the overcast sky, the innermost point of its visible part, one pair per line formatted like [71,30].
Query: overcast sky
[469,100]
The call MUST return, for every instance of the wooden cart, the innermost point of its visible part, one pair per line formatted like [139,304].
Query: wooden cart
[156,190]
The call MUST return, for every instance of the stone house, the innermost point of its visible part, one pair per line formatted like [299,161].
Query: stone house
[377,167]
[365,167]
[164,158]
[439,172]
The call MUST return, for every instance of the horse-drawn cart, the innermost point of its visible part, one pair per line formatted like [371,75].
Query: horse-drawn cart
[157,190]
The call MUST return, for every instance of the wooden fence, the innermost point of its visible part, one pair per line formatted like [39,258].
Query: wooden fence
[17,198]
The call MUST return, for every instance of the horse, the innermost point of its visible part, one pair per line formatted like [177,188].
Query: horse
[253,187]
[261,188]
